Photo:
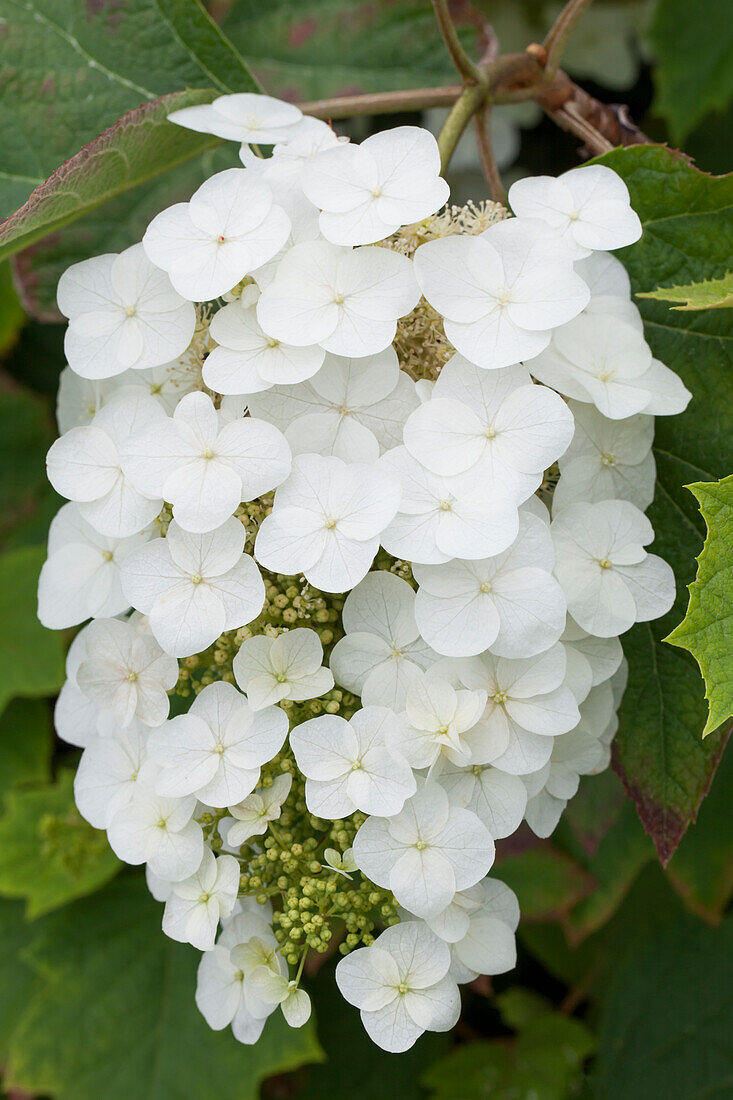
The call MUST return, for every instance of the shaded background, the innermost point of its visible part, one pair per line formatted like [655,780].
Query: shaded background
[623,983]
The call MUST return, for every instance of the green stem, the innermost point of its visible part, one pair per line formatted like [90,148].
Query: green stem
[463,63]
[560,32]
[471,100]
[301,964]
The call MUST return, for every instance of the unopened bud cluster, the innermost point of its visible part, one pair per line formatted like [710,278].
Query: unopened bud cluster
[356,485]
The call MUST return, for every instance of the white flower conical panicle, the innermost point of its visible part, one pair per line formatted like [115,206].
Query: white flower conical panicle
[355,489]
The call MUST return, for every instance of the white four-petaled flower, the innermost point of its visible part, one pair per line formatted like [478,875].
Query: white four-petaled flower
[367,191]
[193,587]
[159,831]
[253,814]
[426,852]
[347,300]
[382,652]
[216,749]
[509,603]
[80,578]
[246,359]
[245,117]
[127,672]
[203,467]
[84,466]
[286,667]
[401,986]
[589,207]
[123,312]
[229,228]
[501,293]
[197,904]
[608,578]
[352,408]
[352,765]
[326,521]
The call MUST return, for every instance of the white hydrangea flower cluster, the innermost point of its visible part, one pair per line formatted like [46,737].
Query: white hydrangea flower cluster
[367,476]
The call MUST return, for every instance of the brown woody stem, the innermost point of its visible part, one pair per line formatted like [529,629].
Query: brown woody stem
[382,103]
[511,78]
[486,151]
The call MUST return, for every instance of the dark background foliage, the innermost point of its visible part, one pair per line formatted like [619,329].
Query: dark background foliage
[624,980]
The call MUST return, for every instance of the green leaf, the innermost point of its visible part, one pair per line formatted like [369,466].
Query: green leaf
[593,810]
[109,228]
[710,294]
[83,70]
[117,1017]
[543,1062]
[650,907]
[12,317]
[49,854]
[707,628]
[701,870]
[314,49]
[138,147]
[18,982]
[355,1067]
[26,741]
[521,1007]
[666,1021]
[26,433]
[31,658]
[547,882]
[688,221]
[621,854]
[692,46]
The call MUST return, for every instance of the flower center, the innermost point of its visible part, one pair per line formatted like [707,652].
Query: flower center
[376,192]
[132,677]
[208,454]
[420,845]
[219,748]
[608,459]
[357,765]
[500,698]
[484,587]
[574,216]
[445,506]
[271,343]
[130,311]
[204,898]
[604,563]
[338,299]
[402,989]
[329,523]
[220,239]
[107,555]
[196,578]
